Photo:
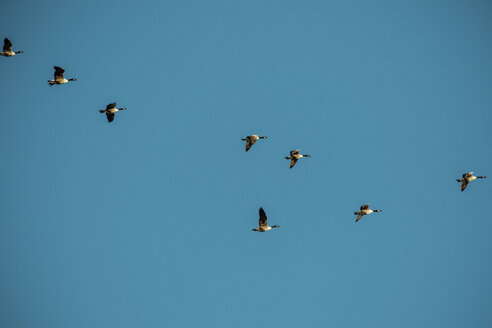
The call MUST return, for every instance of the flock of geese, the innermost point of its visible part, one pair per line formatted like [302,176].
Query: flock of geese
[294,156]
[364,209]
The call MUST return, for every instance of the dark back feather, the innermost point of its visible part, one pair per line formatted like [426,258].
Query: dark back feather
[112,105]
[58,72]
[464,183]
[263,218]
[7,45]
[110,117]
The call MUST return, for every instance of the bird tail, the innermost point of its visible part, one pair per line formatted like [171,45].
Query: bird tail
[102,110]
[51,83]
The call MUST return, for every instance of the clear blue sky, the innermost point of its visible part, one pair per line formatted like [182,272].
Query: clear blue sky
[146,222]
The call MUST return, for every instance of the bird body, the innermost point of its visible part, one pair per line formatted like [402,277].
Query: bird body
[262,225]
[364,210]
[251,140]
[110,111]
[295,156]
[467,178]
[7,49]
[58,77]
[263,229]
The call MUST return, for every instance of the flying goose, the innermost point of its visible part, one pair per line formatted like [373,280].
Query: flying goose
[468,177]
[364,210]
[263,226]
[7,49]
[59,79]
[110,110]
[250,140]
[294,156]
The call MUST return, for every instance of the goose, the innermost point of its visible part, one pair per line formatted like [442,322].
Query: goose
[110,110]
[364,210]
[59,79]
[294,156]
[468,177]
[7,49]
[263,226]
[250,140]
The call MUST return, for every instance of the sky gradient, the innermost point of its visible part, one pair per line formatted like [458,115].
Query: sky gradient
[146,222]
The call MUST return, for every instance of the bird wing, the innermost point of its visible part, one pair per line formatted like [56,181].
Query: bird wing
[467,175]
[249,142]
[263,218]
[110,117]
[293,162]
[294,152]
[7,45]
[110,106]
[58,72]
[358,217]
[364,207]
[464,183]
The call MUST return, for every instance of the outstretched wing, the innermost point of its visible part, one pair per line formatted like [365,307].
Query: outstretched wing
[58,72]
[7,45]
[293,162]
[263,218]
[364,207]
[294,152]
[467,175]
[111,106]
[464,183]
[110,117]
[359,216]
[249,142]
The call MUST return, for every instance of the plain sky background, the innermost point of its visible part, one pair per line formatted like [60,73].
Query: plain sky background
[146,222]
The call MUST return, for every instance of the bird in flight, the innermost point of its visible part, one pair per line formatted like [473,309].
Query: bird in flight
[7,49]
[294,157]
[263,226]
[250,140]
[110,110]
[59,78]
[364,210]
[467,178]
